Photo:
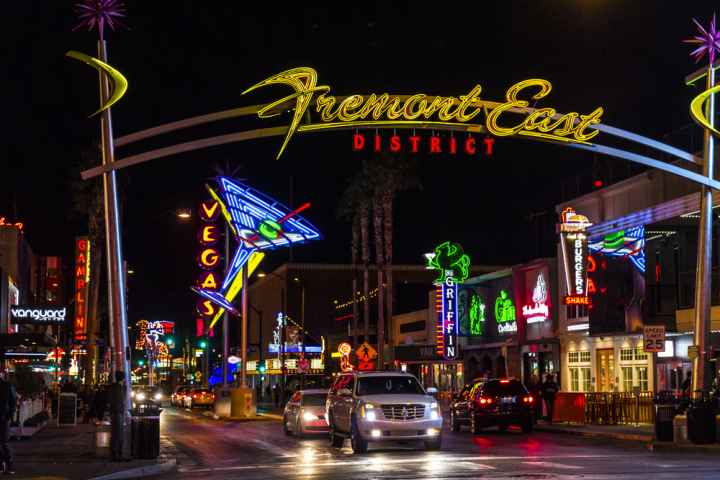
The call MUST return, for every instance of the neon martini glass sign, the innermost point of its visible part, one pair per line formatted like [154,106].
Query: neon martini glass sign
[259,223]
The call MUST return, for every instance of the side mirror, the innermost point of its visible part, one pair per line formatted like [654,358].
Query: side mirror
[344,392]
[432,390]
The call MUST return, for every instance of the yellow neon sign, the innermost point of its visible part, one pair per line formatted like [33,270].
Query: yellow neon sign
[117,80]
[420,110]
[696,109]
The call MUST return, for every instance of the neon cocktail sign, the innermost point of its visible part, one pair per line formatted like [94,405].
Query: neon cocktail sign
[420,110]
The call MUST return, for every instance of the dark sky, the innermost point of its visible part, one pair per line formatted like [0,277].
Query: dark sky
[185,58]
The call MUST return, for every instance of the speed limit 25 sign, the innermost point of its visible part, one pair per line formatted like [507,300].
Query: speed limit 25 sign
[654,338]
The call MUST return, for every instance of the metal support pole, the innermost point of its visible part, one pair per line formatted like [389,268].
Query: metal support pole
[225,324]
[116,270]
[703,274]
[243,333]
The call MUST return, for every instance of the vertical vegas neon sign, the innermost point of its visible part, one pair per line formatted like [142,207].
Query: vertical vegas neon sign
[208,260]
[82,281]
[574,246]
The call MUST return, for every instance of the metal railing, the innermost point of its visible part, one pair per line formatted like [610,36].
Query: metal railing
[614,408]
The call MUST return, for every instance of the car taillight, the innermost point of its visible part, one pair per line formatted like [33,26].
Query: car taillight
[194,395]
[485,400]
[528,399]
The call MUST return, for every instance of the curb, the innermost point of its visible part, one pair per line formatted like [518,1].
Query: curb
[139,472]
[630,437]
[672,446]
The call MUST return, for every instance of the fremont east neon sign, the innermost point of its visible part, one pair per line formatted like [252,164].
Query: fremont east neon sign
[421,110]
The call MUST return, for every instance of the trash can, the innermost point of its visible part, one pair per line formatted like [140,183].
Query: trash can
[665,410]
[145,430]
[701,421]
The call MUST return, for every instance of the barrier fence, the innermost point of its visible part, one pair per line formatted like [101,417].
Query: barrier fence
[605,408]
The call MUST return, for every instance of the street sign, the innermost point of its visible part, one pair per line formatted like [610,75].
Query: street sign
[366,352]
[303,365]
[692,352]
[654,338]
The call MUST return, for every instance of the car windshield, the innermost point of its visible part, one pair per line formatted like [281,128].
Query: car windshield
[388,385]
[314,399]
[503,389]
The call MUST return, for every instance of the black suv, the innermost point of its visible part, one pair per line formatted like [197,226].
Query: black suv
[499,403]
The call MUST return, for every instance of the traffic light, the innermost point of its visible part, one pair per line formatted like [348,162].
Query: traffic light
[170,342]
[203,344]
[261,366]
[141,362]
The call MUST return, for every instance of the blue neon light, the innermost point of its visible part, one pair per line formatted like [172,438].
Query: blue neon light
[632,248]
[273,348]
[248,208]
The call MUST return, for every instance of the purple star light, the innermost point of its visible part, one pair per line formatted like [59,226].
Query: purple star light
[709,41]
[98,13]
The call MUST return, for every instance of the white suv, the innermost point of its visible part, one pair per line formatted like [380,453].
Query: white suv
[380,407]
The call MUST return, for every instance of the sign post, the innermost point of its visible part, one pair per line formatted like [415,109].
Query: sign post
[654,338]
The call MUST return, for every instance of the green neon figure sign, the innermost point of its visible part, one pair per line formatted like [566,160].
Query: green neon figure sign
[477,315]
[504,308]
[450,260]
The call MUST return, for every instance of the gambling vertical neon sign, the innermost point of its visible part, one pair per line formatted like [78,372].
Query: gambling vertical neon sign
[82,281]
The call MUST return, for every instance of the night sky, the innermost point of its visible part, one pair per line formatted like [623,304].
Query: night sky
[186,58]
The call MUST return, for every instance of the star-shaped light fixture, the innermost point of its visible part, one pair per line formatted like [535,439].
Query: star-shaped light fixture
[98,13]
[708,41]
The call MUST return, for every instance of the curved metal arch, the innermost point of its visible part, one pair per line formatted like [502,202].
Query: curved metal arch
[476,128]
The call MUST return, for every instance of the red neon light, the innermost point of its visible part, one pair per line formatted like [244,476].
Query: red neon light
[470,146]
[435,145]
[592,265]
[376,147]
[358,141]
[504,381]
[576,299]
[489,144]
[395,144]
[82,248]
[414,140]
[344,317]
[453,145]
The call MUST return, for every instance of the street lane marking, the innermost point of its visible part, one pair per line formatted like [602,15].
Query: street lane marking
[561,466]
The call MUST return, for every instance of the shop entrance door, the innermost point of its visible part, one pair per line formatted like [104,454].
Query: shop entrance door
[605,369]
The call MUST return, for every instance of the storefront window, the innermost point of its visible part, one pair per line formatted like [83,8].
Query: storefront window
[585,357]
[642,378]
[640,354]
[626,354]
[586,378]
[574,379]
[627,374]
[573,357]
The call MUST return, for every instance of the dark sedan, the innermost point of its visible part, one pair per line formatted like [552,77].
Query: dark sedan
[501,403]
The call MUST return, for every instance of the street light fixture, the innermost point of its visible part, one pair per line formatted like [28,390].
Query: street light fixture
[184,214]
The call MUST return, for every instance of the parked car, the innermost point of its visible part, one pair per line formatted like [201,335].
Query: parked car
[177,399]
[305,413]
[199,397]
[500,403]
[460,407]
[382,407]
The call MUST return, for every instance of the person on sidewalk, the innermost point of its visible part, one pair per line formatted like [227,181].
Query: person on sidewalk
[8,402]
[549,389]
[117,416]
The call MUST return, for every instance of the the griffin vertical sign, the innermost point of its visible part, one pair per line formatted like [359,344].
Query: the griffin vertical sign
[82,283]
[575,252]
[453,266]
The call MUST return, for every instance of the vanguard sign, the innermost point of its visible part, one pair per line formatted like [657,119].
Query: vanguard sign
[40,315]
[421,110]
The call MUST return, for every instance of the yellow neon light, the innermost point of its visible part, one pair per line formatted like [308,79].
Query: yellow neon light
[418,110]
[224,209]
[236,285]
[117,80]
[697,113]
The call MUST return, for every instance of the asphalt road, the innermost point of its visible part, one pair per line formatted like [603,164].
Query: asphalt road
[212,449]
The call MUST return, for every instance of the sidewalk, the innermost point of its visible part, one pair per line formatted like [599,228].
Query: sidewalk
[641,433]
[70,453]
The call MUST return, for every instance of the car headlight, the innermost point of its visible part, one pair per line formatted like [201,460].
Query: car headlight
[368,412]
[309,417]
[140,396]
[434,415]
[433,405]
[158,396]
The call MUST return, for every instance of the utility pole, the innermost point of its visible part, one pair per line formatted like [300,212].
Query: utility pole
[225,324]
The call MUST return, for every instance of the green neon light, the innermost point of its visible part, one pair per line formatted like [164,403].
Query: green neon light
[614,240]
[504,308]
[477,314]
[450,260]
[269,229]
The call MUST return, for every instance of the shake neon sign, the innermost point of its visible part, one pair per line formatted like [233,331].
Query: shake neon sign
[425,111]
[575,253]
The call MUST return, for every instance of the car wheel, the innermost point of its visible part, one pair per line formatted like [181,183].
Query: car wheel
[527,426]
[474,425]
[434,444]
[359,444]
[455,426]
[286,430]
[335,440]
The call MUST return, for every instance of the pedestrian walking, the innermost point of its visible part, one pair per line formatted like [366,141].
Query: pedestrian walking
[8,403]
[687,384]
[549,389]
[117,416]
[101,401]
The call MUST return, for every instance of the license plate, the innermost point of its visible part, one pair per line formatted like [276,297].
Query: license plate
[507,400]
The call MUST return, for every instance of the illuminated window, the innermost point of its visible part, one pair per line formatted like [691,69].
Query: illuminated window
[642,378]
[584,356]
[586,378]
[574,379]
[627,378]
[573,357]
[626,354]
[640,353]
